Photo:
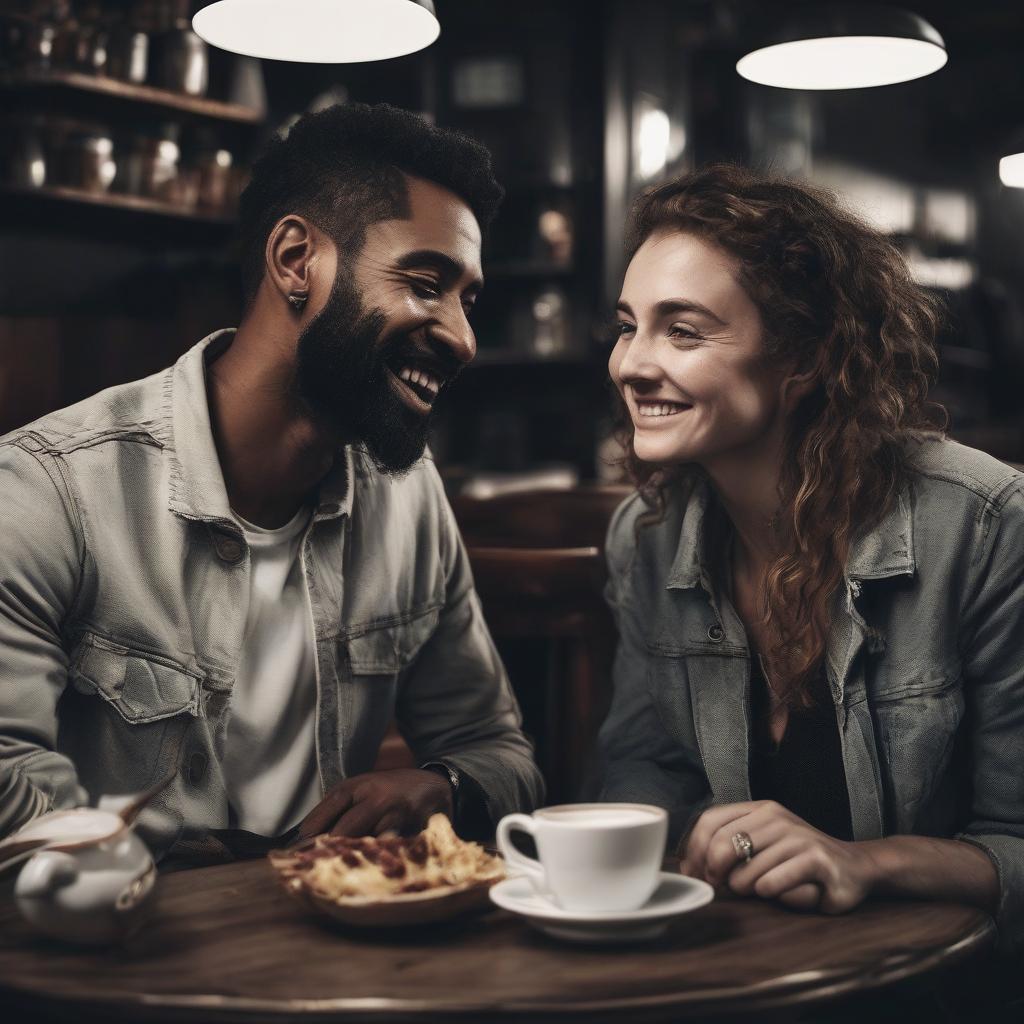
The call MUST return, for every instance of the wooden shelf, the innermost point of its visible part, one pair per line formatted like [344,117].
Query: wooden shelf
[145,94]
[113,201]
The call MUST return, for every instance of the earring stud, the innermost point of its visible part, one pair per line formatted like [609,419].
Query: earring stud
[297,300]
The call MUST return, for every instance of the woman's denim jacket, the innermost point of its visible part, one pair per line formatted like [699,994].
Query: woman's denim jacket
[123,581]
[925,660]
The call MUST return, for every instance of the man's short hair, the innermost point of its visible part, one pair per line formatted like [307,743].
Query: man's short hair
[344,168]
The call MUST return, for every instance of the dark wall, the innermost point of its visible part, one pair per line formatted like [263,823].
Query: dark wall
[91,296]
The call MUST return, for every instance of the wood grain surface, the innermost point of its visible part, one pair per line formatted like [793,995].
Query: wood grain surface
[226,944]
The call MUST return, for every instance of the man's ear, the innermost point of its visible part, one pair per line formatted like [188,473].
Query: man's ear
[291,247]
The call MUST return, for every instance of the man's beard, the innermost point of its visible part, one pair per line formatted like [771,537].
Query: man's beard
[343,378]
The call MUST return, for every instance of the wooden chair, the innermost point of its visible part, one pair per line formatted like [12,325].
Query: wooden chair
[575,518]
[538,563]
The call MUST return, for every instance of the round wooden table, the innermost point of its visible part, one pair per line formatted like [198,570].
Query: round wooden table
[225,944]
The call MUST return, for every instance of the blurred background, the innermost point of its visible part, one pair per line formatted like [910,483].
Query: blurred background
[126,140]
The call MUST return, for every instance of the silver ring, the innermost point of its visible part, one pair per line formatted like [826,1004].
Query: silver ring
[743,845]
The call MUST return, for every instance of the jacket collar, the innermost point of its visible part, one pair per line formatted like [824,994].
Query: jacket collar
[690,567]
[888,549]
[884,551]
[197,489]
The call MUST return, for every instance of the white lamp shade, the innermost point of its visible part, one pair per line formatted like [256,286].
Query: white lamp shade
[1011,170]
[842,62]
[846,46]
[318,31]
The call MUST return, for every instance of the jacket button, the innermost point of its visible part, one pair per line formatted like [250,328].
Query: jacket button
[715,633]
[228,548]
[196,767]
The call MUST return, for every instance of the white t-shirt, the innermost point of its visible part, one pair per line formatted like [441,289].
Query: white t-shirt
[270,752]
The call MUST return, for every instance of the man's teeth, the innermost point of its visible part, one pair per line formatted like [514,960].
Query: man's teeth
[420,377]
[659,408]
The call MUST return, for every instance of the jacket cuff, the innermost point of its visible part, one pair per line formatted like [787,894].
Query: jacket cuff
[501,786]
[1007,854]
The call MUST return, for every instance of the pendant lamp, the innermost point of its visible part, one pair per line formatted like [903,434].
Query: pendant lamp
[319,31]
[846,46]
[1011,170]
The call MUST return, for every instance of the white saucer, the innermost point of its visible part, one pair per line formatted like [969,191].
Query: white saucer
[675,895]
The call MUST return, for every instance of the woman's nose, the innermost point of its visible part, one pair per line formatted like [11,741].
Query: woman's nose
[638,361]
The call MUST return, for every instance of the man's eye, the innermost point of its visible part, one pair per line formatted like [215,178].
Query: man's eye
[425,289]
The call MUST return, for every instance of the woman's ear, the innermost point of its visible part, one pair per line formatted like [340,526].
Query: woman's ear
[796,387]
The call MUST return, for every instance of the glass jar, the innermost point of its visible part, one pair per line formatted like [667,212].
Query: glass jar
[214,166]
[85,156]
[151,168]
[183,63]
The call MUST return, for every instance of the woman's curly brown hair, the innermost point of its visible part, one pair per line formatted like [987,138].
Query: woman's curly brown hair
[835,300]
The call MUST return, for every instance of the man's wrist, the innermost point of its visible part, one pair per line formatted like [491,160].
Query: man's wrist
[450,775]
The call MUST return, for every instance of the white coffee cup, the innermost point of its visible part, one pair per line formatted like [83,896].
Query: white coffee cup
[594,858]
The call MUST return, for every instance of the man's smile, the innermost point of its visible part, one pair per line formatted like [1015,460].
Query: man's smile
[417,388]
[418,379]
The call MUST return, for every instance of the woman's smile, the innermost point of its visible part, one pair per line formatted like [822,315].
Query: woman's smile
[651,411]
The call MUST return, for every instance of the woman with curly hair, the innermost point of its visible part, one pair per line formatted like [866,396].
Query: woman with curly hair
[820,600]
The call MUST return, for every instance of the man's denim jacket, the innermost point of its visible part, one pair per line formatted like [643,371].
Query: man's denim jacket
[925,660]
[123,588]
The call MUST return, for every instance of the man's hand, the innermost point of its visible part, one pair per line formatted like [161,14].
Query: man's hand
[400,800]
[792,862]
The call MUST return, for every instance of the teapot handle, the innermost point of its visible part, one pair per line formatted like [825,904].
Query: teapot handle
[46,871]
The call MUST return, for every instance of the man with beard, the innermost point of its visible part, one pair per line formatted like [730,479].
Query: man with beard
[234,573]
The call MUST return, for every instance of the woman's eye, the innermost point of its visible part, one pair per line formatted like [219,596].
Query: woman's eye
[425,289]
[683,331]
[622,328]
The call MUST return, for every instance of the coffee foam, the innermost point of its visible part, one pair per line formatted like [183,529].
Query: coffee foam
[588,817]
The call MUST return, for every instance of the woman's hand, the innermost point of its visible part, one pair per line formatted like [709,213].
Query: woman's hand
[792,862]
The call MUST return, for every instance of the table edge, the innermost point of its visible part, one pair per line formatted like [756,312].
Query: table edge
[794,989]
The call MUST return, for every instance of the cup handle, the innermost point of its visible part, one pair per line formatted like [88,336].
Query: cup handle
[527,865]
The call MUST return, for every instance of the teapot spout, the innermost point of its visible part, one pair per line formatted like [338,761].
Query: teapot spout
[128,808]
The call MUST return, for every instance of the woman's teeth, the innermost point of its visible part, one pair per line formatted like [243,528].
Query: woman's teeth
[650,409]
[421,378]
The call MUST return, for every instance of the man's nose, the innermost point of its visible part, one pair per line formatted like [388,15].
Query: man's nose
[452,329]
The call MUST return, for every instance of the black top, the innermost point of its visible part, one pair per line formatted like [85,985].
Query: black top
[805,773]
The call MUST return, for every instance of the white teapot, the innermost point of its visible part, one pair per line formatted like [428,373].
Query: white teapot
[88,878]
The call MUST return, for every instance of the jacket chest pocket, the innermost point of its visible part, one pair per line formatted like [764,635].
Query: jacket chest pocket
[917,725]
[376,660]
[141,688]
[126,716]
[389,649]
[668,684]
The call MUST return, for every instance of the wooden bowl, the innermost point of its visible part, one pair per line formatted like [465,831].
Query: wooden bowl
[399,911]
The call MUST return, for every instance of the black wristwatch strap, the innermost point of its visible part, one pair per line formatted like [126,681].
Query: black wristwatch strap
[450,773]
[469,803]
